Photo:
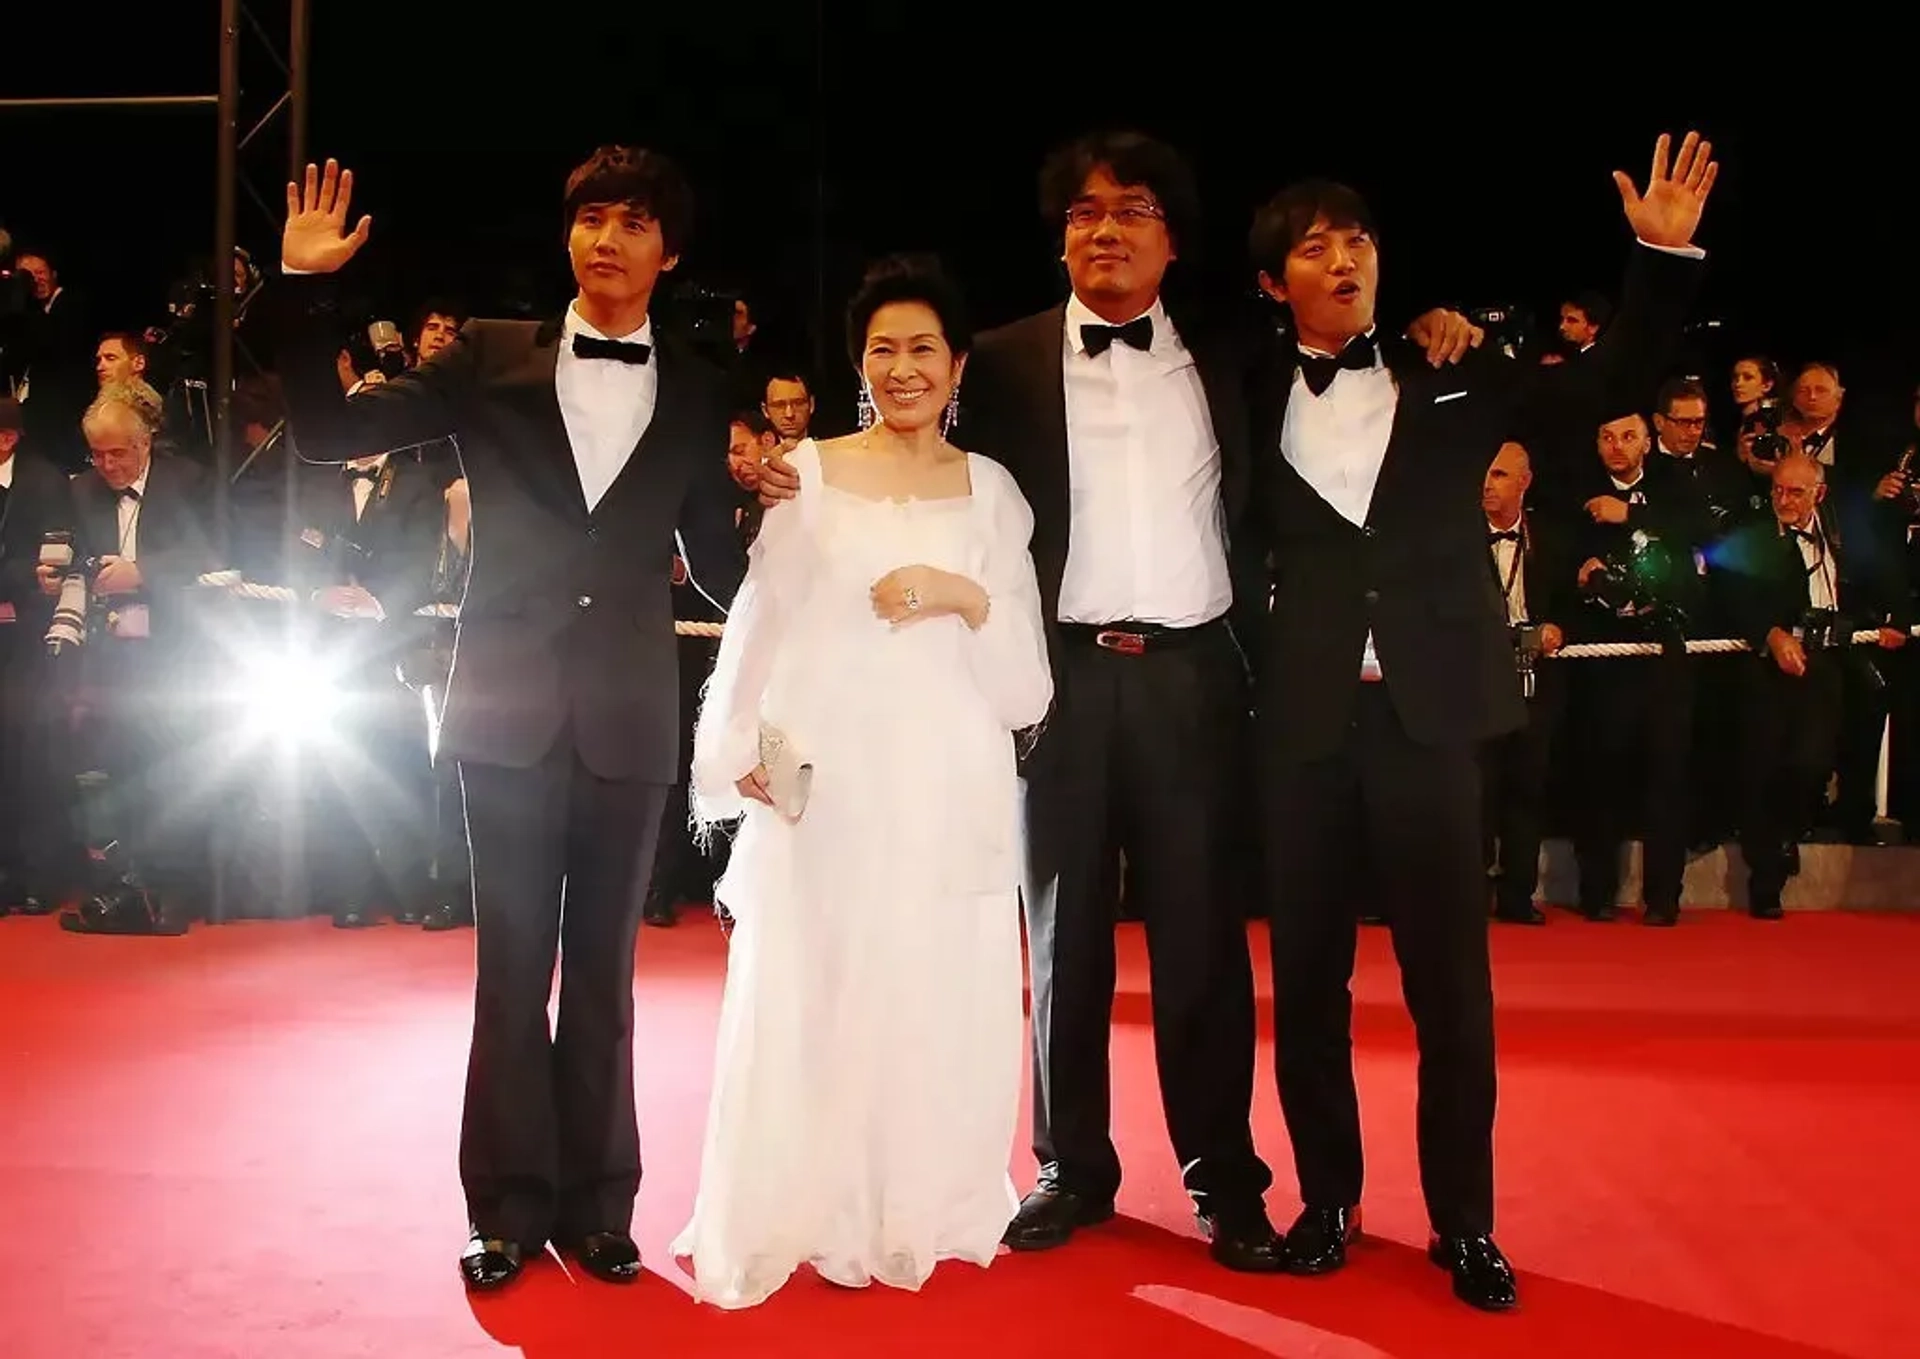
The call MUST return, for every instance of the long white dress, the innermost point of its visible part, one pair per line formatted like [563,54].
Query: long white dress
[867,1079]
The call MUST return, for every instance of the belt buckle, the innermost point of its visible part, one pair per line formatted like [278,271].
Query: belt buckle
[1126,643]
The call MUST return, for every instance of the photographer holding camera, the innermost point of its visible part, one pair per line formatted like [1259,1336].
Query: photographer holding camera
[364,548]
[1639,546]
[34,501]
[1812,698]
[1535,576]
[137,543]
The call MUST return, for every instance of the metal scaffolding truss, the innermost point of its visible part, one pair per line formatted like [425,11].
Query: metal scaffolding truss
[285,52]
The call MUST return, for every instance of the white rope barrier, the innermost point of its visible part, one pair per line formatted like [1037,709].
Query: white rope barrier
[1580,651]
[1575,651]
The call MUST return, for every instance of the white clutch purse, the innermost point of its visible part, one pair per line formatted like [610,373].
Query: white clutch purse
[789,778]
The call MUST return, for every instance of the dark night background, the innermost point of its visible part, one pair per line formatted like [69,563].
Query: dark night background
[819,135]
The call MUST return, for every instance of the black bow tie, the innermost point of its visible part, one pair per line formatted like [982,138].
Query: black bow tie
[129,493]
[625,351]
[1319,370]
[1806,535]
[362,473]
[1816,441]
[1135,334]
[1503,535]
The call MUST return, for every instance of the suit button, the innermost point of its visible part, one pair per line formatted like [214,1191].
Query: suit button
[593,533]
[585,601]
[1373,596]
[1366,531]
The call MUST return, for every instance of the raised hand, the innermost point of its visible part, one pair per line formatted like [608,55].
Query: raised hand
[1669,211]
[316,240]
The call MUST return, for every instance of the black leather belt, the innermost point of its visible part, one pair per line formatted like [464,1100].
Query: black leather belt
[1136,639]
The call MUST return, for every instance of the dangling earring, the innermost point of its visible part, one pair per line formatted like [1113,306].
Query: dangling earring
[952,412]
[865,408]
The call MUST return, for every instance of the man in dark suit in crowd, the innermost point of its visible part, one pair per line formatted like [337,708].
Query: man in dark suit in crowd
[35,500]
[1385,663]
[588,442]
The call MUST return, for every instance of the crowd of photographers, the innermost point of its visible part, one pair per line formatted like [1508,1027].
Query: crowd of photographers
[175,748]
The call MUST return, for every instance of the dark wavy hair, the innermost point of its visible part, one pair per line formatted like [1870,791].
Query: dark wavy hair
[1136,161]
[643,180]
[908,278]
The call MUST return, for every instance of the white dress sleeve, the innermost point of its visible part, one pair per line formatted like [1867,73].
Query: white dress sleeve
[726,739]
[1008,654]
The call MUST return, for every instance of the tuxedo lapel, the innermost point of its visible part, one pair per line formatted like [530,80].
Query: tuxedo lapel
[528,385]
[670,410]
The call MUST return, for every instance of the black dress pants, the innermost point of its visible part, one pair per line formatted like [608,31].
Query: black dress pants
[549,1140]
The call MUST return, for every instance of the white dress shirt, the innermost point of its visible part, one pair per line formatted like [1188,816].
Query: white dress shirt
[606,404]
[1510,569]
[1337,442]
[1148,536]
[362,486]
[128,512]
[6,473]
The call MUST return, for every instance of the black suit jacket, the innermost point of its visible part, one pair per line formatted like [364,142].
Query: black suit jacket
[393,549]
[172,546]
[1013,409]
[567,621]
[1416,573]
[1672,510]
[39,502]
[1767,581]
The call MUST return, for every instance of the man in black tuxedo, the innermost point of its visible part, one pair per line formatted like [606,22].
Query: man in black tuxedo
[1529,553]
[1799,591]
[1643,529]
[362,546]
[35,500]
[1126,428]
[1386,661]
[589,443]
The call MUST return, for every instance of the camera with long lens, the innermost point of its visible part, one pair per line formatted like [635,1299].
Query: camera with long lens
[1646,581]
[1768,443]
[1508,328]
[1529,645]
[1827,630]
[75,606]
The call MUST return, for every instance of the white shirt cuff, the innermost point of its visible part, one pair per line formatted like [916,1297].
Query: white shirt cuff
[1685,252]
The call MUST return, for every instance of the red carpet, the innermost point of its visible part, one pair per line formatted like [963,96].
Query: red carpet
[241,1144]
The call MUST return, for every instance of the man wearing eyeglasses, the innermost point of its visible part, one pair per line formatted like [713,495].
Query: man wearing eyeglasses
[787,402]
[1680,428]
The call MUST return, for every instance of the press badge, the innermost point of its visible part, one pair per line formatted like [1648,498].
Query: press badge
[313,538]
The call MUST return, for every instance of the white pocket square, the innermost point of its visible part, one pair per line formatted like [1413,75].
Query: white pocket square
[1448,396]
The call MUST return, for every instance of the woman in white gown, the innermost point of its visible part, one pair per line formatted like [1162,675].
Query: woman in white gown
[867,1080]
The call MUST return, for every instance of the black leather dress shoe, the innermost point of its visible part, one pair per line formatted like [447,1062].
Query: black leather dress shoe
[1243,1239]
[610,1257]
[1481,1275]
[1520,913]
[445,916]
[1048,1217]
[1317,1241]
[490,1263]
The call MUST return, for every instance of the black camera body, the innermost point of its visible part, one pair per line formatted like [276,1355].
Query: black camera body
[1529,646]
[1824,630]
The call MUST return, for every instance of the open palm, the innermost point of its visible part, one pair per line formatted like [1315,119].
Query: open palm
[1669,211]
[316,240]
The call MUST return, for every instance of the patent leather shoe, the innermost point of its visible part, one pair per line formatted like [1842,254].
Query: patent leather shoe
[610,1257]
[1481,1275]
[1244,1240]
[489,1263]
[1317,1241]
[1048,1217]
